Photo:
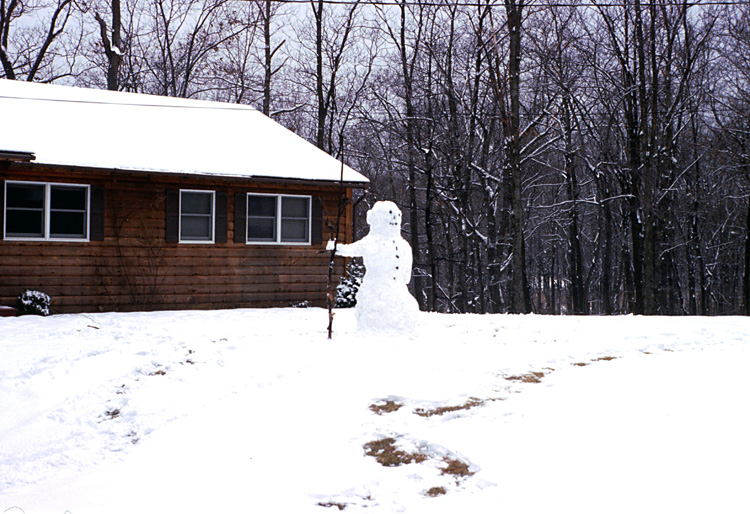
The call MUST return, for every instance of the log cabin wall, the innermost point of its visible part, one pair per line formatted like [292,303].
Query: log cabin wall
[133,267]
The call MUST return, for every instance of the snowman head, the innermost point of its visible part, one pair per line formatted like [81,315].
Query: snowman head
[384,218]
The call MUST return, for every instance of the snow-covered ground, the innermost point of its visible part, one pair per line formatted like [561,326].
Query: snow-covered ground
[256,411]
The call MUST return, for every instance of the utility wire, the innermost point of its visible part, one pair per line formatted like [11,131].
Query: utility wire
[459,3]
[222,106]
[211,104]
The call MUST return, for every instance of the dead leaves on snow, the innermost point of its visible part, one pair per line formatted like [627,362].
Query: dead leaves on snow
[392,406]
[608,358]
[529,378]
[389,406]
[439,411]
[386,454]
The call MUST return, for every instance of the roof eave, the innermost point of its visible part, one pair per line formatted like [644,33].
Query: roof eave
[311,182]
[258,179]
[16,156]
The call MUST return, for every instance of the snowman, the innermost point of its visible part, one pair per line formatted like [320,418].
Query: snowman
[384,303]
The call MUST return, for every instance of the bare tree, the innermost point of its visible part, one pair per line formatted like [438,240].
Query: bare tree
[112,43]
[180,41]
[731,111]
[31,40]
[332,39]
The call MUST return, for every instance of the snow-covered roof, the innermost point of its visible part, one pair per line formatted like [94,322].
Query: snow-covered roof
[72,126]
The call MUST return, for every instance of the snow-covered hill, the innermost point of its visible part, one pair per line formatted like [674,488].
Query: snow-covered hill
[256,411]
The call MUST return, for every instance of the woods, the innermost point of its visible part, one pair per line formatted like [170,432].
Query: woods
[577,158]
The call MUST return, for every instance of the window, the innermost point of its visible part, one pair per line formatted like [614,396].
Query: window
[197,216]
[278,219]
[57,212]
[261,218]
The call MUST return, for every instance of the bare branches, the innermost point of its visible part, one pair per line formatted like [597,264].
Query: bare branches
[28,48]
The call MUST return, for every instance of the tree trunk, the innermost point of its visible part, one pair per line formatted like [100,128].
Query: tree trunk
[267,59]
[606,234]
[521,302]
[407,72]
[113,46]
[575,256]
[320,94]
[746,277]
[430,234]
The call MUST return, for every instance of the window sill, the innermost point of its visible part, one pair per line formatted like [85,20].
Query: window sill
[277,243]
[45,240]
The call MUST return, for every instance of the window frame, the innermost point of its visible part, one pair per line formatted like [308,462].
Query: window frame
[212,222]
[47,213]
[278,220]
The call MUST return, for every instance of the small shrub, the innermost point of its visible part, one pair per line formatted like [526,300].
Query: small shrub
[346,291]
[33,302]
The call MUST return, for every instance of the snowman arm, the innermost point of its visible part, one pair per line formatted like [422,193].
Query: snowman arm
[406,260]
[349,250]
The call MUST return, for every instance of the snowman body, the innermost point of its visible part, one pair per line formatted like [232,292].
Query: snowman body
[384,303]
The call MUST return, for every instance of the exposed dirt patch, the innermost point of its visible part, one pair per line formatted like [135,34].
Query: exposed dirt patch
[456,468]
[603,359]
[189,360]
[534,377]
[160,372]
[435,491]
[340,506]
[389,406]
[112,413]
[386,453]
[439,411]
[580,364]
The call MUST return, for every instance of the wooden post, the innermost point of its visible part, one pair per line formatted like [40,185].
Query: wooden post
[341,205]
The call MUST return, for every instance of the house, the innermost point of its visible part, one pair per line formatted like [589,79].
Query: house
[121,201]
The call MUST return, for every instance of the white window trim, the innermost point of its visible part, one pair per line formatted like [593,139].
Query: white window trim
[47,207]
[212,222]
[278,220]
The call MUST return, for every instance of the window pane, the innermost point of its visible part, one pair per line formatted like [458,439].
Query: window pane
[261,229]
[24,213]
[261,206]
[196,203]
[294,231]
[24,223]
[26,196]
[67,224]
[196,228]
[196,215]
[68,198]
[67,216]
[294,207]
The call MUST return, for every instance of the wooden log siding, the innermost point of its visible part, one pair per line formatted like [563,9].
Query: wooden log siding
[129,265]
